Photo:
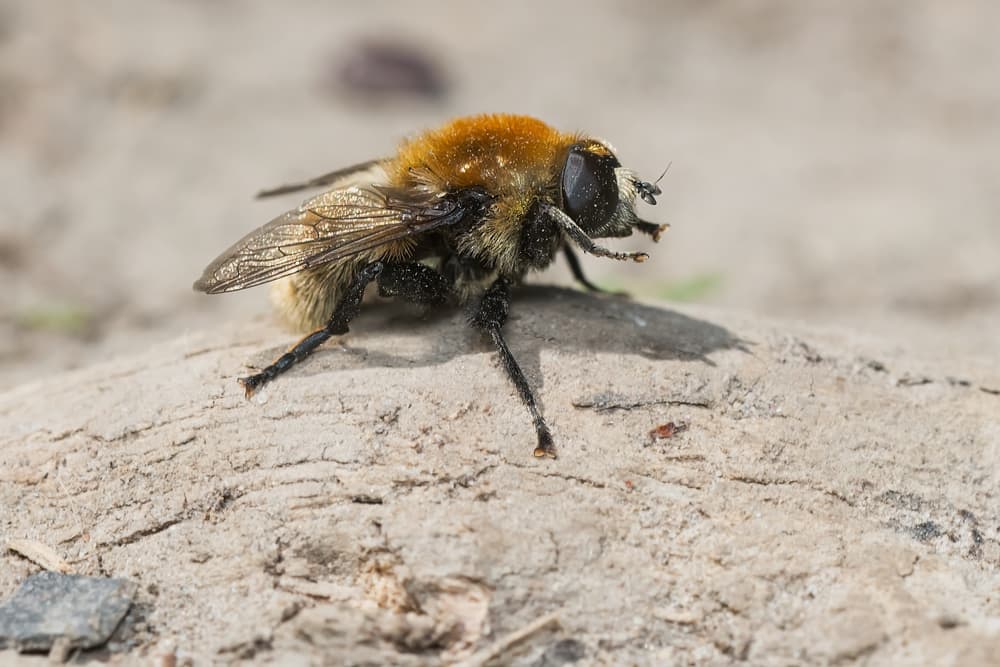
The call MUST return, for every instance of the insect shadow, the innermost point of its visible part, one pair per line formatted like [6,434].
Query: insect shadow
[542,316]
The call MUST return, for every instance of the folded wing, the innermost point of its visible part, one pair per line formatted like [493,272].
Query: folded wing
[326,228]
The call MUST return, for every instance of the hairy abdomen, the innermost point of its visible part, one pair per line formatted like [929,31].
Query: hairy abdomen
[305,301]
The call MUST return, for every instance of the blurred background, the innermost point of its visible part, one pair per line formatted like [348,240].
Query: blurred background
[831,162]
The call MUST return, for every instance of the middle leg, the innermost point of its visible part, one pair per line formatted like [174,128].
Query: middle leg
[414,282]
[490,317]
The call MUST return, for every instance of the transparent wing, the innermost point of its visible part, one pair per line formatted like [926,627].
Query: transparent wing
[331,179]
[325,228]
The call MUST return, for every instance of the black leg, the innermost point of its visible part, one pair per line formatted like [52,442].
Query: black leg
[490,316]
[651,229]
[584,242]
[577,269]
[414,282]
[346,310]
[574,266]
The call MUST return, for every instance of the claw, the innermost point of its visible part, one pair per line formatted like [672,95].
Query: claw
[652,229]
[546,448]
[250,384]
[544,453]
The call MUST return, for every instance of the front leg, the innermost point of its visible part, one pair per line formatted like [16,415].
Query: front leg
[490,316]
[577,269]
[585,243]
[652,229]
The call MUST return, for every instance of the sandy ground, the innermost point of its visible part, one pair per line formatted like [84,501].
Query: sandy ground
[834,181]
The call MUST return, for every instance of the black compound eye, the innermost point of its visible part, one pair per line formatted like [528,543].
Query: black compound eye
[589,187]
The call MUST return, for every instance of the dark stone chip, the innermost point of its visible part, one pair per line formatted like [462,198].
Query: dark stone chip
[80,611]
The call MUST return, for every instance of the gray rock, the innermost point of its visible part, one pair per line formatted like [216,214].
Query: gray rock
[76,611]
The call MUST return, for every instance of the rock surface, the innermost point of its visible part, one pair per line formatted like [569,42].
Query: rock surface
[67,610]
[832,499]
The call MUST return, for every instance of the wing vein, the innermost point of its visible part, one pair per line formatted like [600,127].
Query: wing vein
[326,228]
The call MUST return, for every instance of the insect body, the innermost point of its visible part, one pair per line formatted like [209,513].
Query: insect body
[459,215]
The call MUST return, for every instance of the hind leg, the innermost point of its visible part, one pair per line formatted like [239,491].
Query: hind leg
[412,282]
[346,310]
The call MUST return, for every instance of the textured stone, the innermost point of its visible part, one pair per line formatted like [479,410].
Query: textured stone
[71,610]
[776,529]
